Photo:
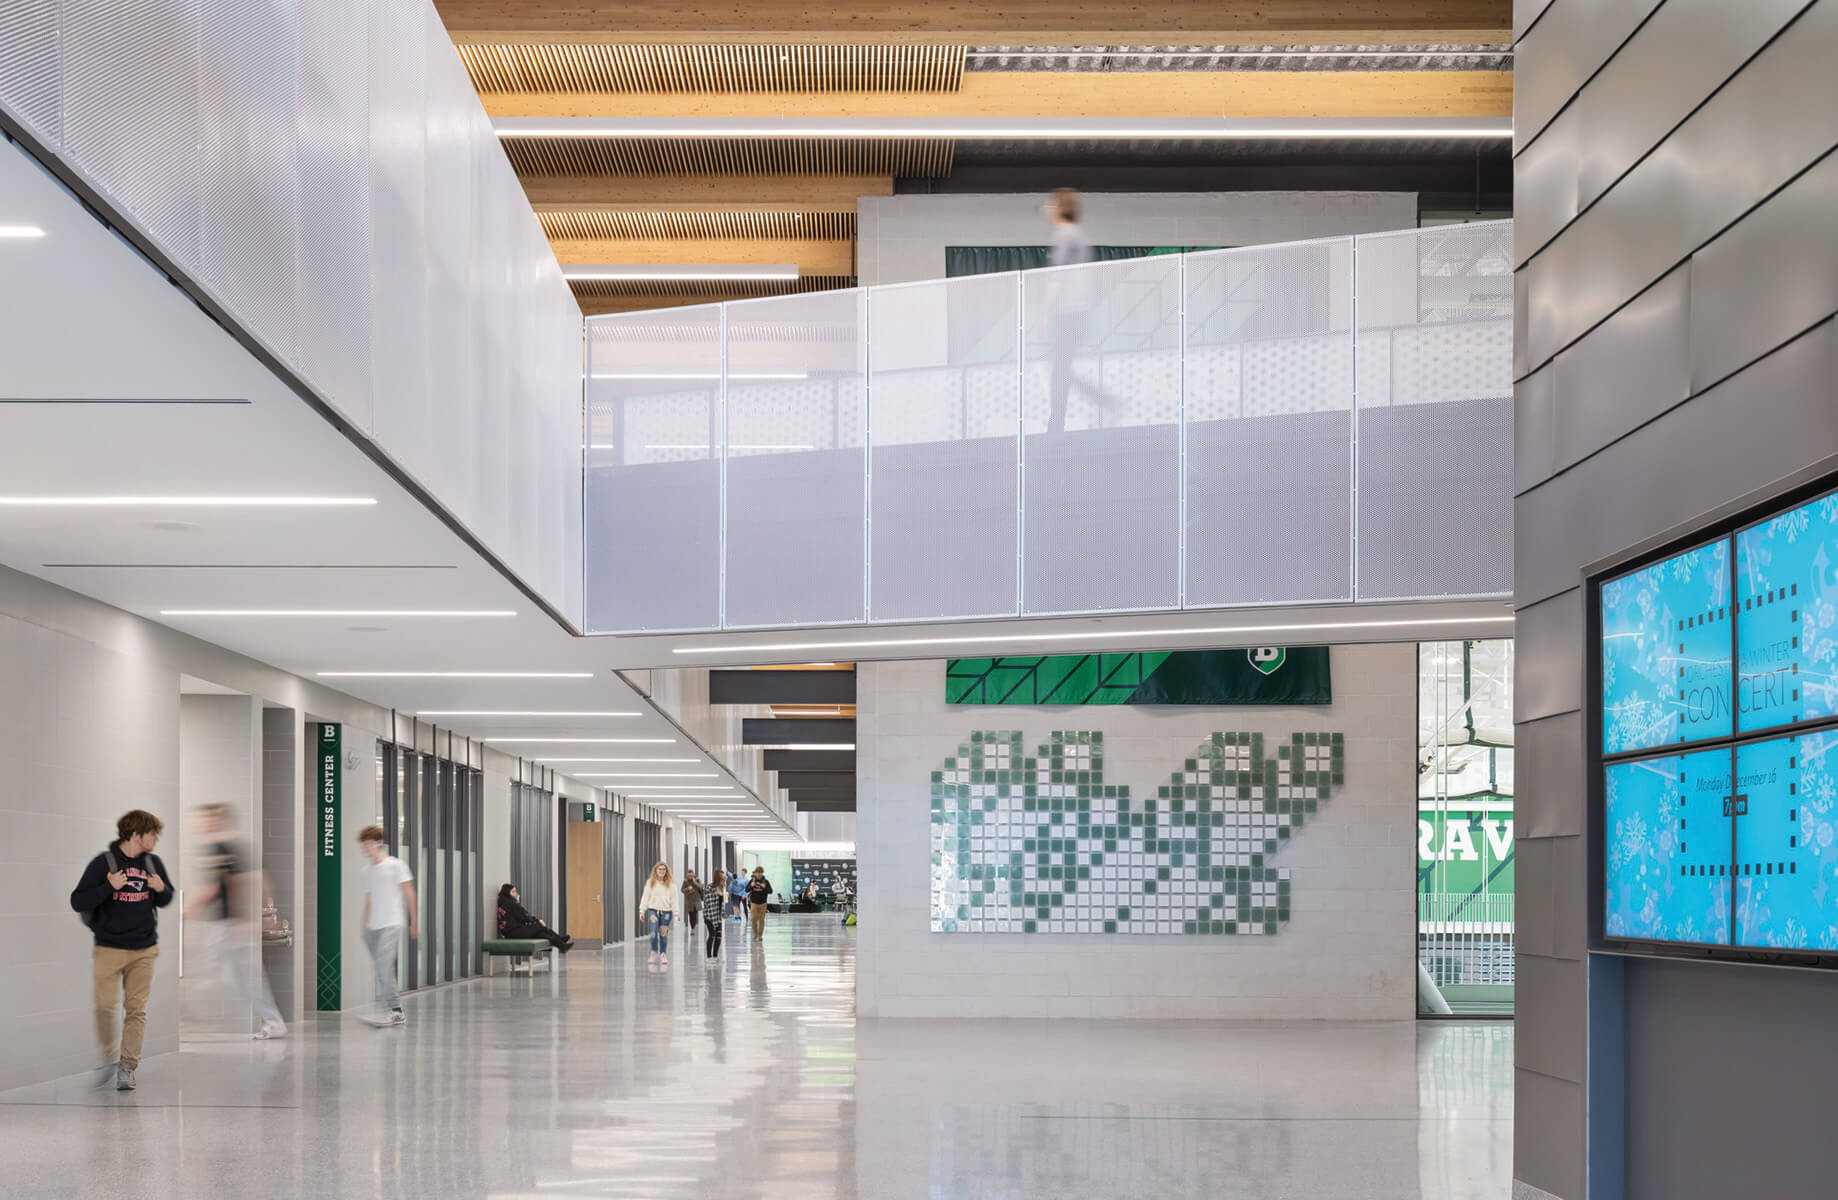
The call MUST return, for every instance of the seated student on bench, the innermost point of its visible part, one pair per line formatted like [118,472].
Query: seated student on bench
[516,921]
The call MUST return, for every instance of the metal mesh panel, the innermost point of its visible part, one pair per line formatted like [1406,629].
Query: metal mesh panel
[31,75]
[1269,363]
[249,203]
[131,111]
[399,317]
[1101,460]
[944,423]
[336,247]
[795,437]
[1435,413]
[450,242]
[652,488]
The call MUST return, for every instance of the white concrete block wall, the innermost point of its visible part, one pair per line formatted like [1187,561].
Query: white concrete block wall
[1348,952]
[903,238]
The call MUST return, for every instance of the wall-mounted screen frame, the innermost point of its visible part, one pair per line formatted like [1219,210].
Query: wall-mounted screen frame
[1712,682]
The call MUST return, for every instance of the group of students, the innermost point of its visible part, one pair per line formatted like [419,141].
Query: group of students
[709,901]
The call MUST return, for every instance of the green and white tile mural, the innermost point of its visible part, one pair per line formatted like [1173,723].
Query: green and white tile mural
[1043,843]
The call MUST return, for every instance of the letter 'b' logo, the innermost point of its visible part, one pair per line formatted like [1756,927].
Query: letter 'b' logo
[1268,659]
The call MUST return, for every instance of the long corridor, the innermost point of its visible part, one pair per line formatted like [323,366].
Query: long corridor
[754,1080]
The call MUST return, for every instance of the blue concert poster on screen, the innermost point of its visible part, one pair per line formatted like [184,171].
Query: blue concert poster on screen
[1667,847]
[1786,845]
[1787,617]
[1666,652]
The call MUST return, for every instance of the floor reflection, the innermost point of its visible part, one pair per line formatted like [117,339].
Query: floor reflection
[753,1080]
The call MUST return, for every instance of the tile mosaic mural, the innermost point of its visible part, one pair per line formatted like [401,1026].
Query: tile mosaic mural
[1042,843]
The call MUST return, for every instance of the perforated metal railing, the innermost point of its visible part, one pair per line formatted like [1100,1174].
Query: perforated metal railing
[1324,421]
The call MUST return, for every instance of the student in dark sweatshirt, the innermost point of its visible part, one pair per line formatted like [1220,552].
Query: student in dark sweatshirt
[122,898]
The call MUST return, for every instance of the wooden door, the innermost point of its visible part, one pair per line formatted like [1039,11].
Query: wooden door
[586,867]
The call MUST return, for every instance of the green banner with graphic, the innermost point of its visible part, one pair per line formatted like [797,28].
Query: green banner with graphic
[328,744]
[1287,675]
[1466,848]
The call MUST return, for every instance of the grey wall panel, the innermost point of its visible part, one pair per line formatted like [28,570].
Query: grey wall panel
[1550,661]
[1548,1144]
[1525,12]
[1747,1110]
[1683,53]
[1534,429]
[1703,177]
[1532,908]
[1773,421]
[1569,897]
[1553,992]
[31,74]
[1571,40]
[1628,370]
[1548,765]
[1770,276]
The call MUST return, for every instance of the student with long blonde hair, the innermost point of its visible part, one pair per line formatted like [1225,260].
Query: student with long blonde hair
[659,906]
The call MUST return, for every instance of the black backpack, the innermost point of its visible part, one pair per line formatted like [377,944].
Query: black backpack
[90,918]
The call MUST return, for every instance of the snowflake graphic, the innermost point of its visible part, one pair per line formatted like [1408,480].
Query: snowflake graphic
[1794,933]
[1684,564]
[1793,524]
[1633,834]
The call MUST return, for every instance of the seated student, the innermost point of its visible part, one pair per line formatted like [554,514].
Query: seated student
[516,921]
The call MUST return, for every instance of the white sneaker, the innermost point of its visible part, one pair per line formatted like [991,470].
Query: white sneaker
[398,1017]
[275,1029]
[104,1075]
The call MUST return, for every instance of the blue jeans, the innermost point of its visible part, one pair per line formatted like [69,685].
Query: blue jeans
[383,945]
[659,922]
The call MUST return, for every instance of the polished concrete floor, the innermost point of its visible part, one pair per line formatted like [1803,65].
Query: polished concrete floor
[756,1081]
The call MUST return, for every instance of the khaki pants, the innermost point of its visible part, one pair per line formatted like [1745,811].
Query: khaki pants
[118,973]
[757,920]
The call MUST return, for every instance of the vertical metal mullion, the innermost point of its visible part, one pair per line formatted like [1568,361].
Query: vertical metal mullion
[1353,427]
[865,318]
[1180,591]
[1020,443]
[720,433]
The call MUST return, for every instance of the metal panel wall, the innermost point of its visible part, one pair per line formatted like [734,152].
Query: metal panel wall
[795,458]
[1268,374]
[1435,391]
[326,175]
[944,459]
[1101,462]
[653,478]
[1171,432]
[1631,317]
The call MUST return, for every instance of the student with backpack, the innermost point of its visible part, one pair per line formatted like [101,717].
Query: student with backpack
[118,897]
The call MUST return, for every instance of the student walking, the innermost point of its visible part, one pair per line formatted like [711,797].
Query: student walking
[737,895]
[389,908]
[658,903]
[714,900]
[759,891]
[692,901]
[224,912]
[118,897]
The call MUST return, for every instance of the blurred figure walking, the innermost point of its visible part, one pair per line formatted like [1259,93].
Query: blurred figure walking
[389,909]
[1070,297]
[226,914]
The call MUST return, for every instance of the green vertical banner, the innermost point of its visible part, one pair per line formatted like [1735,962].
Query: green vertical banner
[329,751]
[588,812]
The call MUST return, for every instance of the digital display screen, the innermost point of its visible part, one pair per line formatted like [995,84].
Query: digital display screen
[1667,834]
[1666,652]
[1719,818]
[1786,862]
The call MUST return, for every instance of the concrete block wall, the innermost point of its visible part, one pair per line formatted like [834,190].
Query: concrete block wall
[1349,951]
[1676,356]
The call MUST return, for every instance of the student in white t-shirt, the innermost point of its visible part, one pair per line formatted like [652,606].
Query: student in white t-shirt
[389,905]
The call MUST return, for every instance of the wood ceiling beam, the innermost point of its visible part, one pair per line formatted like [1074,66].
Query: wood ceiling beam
[1124,94]
[812,257]
[985,22]
[735,193]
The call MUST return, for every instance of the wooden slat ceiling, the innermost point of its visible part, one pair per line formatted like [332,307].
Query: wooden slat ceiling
[729,156]
[577,224]
[577,67]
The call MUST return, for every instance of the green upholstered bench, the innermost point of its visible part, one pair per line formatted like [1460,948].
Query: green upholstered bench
[527,949]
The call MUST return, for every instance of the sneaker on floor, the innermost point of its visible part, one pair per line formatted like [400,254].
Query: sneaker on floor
[274,1029]
[104,1075]
[124,1079]
[398,1017]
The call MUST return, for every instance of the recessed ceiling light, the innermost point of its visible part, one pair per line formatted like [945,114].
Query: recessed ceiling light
[186,501]
[337,612]
[500,712]
[1095,635]
[11,232]
[454,674]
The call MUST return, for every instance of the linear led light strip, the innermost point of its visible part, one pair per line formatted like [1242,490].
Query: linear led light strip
[21,231]
[455,674]
[505,712]
[560,758]
[712,274]
[1096,635]
[336,612]
[701,446]
[694,375]
[186,501]
[567,741]
[1199,130]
